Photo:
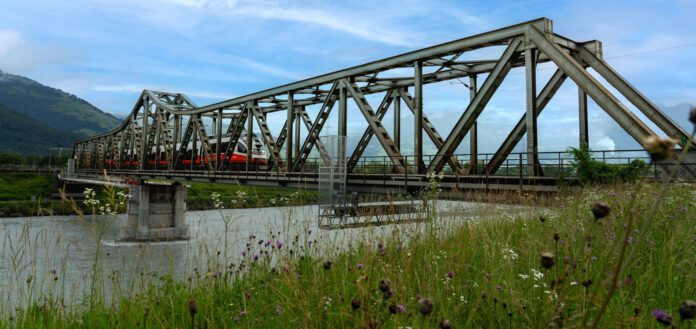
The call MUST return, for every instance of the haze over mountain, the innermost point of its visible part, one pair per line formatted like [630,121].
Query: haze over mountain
[35,117]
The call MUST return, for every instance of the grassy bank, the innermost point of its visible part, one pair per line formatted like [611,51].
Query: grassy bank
[603,272]
[23,194]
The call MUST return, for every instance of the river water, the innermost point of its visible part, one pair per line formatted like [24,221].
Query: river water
[56,256]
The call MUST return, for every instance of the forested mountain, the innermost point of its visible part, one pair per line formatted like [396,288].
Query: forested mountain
[34,117]
[53,107]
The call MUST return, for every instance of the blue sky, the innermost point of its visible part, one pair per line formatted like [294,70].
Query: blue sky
[108,51]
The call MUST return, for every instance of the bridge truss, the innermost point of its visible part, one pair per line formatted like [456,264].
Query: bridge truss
[155,136]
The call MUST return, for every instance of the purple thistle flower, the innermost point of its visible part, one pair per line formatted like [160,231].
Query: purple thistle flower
[401,308]
[450,274]
[629,240]
[256,257]
[279,244]
[613,193]
[268,243]
[662,317]
[360,266]
[309,232]
[243,253]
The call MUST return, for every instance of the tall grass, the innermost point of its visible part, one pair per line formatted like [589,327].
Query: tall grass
[482,272]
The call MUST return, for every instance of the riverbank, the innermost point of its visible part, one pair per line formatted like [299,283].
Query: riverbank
[27,194]
[606,255]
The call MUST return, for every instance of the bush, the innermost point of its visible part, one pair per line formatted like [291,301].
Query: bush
[589,170]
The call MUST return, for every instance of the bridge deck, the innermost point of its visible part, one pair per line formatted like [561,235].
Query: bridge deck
[374,183]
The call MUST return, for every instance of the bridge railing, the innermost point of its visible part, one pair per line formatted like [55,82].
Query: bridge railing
[549,164]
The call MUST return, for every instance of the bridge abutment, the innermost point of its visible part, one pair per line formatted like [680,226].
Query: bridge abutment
[156,212]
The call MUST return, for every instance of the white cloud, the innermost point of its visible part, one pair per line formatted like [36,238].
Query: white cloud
[338,20]
[138,88]
[604,143]
[10,40]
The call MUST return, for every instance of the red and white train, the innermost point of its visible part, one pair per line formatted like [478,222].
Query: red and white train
[236,159]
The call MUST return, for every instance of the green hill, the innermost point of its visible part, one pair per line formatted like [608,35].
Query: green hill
[22,134]
[52,107]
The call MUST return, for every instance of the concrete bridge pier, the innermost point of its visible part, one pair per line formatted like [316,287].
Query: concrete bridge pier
[156,213]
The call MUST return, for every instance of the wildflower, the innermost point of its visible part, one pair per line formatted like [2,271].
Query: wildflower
[425,306]
[279,244]
[586,283]
[450,274]
[523,276]
[255,258]
[401,308]
[278,311]
[537,275]
[556,237]
[659,148]
[392,309]
[662,317]
[508,253]
[445,324]
[600,210]
[327,265]
[383,285]
[388,293]
[355,303]
[360,266]
[687,309]
[192,307]
[542,218]
[547,260]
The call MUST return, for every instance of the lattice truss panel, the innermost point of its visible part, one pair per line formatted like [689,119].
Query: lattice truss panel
[165,129]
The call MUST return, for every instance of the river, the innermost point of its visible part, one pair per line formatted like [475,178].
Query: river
[56,256]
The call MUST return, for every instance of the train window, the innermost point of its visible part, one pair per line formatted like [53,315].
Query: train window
[241,148]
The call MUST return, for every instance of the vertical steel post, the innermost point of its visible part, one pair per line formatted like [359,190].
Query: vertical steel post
[289,139]
[342,123]
[531,116]
[582,115]
[194,141]
[218,134]
[397,121]
[249,139]
[177,131]
[143,136]
[297,132]
[418,116]
[158,139]
[473,132]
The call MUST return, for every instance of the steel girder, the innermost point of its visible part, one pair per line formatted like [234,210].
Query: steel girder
[493,81]
[520,129]
[155,127]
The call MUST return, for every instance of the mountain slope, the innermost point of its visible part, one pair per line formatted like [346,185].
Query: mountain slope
[53,107]
[22,134]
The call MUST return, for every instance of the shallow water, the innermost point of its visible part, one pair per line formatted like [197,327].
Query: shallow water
[56,256]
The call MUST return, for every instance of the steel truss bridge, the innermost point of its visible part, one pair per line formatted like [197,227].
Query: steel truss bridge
[164,128]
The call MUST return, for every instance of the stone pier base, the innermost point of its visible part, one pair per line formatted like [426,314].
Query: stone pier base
[156,212]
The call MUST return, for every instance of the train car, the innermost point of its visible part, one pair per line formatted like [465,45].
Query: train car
[235,160]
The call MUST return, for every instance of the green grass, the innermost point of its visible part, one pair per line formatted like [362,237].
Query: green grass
[198,196]
[488,260]
[19,186]
[17,190]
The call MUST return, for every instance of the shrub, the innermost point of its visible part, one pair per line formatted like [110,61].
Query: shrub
[589,170]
